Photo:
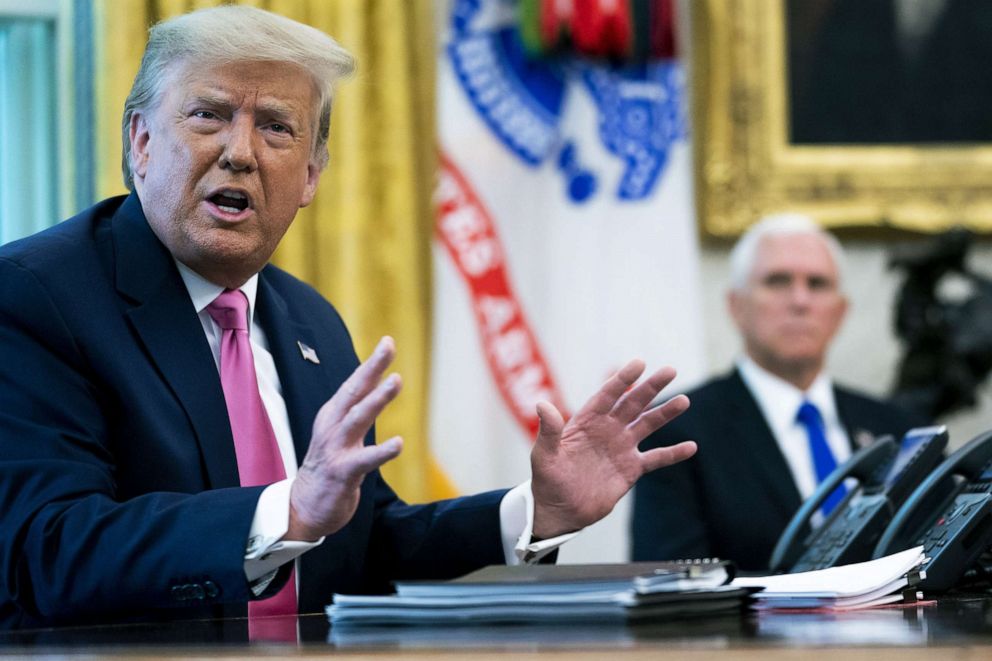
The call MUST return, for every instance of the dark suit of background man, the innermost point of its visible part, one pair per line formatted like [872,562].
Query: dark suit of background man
[754,465]
[120,495]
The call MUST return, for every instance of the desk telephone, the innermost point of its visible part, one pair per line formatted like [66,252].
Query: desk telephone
[887,473]
[956,529]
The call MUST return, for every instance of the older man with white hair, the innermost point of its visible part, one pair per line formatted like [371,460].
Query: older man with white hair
[773,427]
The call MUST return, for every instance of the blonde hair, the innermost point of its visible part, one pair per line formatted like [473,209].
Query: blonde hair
[226,34]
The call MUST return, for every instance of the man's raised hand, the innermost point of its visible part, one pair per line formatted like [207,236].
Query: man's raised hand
[581,469]
[325,493]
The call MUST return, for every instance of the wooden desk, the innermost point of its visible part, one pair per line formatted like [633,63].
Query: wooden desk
[954,628]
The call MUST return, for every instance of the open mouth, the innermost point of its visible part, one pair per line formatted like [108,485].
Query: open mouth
[233,202]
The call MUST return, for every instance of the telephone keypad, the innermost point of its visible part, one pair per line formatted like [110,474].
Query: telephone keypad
[832,544]
[958,515]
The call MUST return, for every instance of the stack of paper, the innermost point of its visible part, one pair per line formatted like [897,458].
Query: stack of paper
[551,593]
[861,585]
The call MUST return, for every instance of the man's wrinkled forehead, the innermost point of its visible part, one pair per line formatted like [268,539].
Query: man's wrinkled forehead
[200,81]
[805,252]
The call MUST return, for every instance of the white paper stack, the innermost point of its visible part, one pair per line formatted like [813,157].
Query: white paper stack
[860,585]
[549,594]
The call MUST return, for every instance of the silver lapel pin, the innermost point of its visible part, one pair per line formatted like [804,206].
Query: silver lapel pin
[308,353]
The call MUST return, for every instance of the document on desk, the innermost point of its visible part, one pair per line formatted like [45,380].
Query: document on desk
[552,593]
[643,577]
[594,607]
[859,585]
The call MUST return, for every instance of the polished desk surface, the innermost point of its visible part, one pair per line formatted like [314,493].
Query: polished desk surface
[953,627]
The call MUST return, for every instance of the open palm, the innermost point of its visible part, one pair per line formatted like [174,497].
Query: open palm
[582,468]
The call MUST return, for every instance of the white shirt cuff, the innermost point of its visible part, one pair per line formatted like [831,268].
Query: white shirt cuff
[516,514]
[266,551]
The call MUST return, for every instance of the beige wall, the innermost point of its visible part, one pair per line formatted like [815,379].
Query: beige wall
[866,351]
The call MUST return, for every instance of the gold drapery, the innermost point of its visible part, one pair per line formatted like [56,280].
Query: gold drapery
[365,241]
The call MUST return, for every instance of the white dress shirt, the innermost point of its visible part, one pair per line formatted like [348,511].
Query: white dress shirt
[266,551]
[779,402]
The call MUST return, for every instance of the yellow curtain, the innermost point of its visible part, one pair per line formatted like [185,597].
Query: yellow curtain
[365,241]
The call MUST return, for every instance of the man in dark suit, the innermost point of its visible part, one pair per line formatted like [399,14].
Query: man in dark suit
[755,462]
[160,383]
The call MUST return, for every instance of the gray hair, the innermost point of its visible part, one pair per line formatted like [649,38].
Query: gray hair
[235,34]
[745,252]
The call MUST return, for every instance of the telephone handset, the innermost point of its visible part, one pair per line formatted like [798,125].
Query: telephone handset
[886,473]
[956,529]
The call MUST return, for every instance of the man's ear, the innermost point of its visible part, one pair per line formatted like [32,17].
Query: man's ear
[734,305]
[139,134]
[844,305]
[313,178]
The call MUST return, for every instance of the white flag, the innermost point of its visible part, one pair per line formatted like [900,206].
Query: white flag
[565,246]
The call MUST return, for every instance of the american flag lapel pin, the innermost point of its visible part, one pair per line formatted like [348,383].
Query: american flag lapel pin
[863,438]
[308,353]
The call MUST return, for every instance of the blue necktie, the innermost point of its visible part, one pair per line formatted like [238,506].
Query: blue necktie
[823,458]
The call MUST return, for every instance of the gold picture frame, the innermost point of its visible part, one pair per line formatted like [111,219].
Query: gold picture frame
[746,167]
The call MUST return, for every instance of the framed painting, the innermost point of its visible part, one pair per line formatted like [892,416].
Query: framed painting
[861,113]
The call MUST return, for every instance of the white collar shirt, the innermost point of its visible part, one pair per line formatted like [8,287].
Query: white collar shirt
[779,403]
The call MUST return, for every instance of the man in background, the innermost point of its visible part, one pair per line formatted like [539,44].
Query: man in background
[757,457]
[185,430]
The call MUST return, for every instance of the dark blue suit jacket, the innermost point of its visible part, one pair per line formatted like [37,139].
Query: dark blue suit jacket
[733,499]
[119,494]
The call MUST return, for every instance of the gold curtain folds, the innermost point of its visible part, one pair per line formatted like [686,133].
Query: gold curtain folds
[365,241]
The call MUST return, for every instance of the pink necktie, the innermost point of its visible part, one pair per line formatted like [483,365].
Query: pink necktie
[259,461]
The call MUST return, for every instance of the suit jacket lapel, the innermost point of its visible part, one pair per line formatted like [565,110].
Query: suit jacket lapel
[850,416]
[745,421]
[305,385]
[166,323]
